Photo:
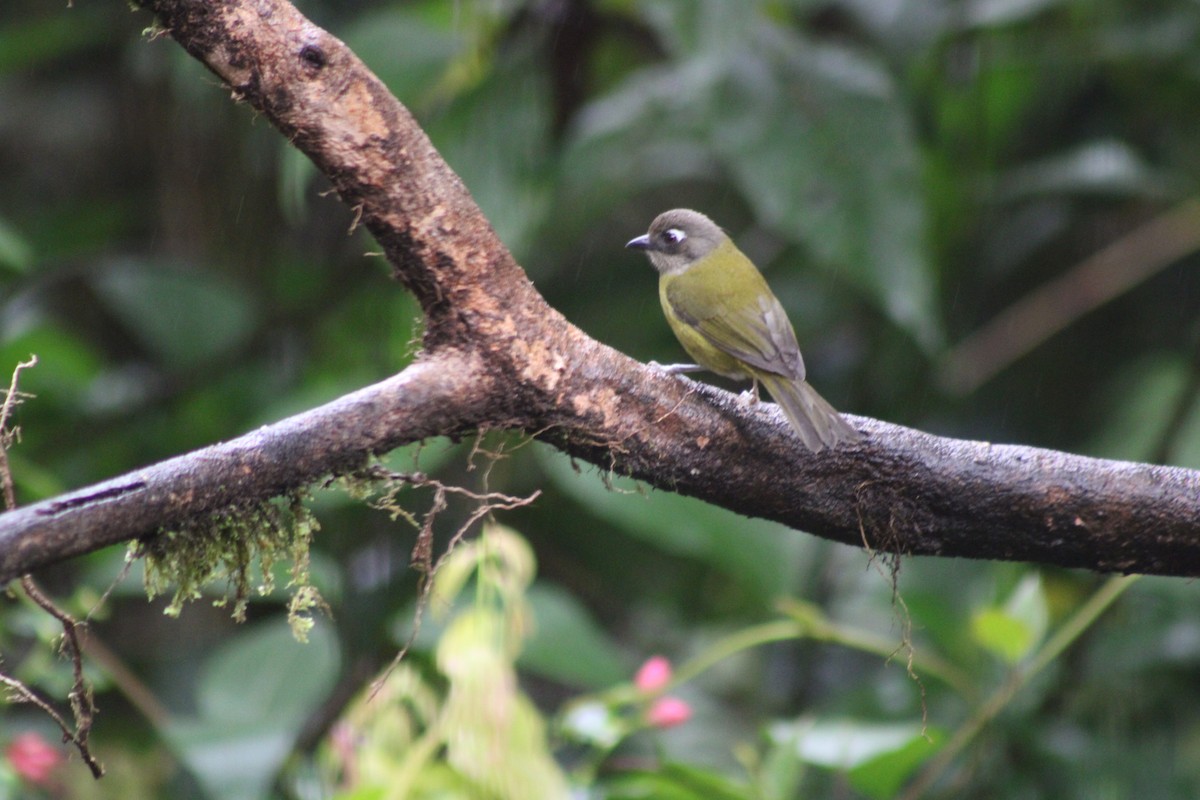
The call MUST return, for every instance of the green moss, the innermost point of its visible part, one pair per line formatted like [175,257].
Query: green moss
[359,485]
[380,489]
[234,545]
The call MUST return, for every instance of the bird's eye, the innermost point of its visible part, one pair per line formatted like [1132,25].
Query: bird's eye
[674,235]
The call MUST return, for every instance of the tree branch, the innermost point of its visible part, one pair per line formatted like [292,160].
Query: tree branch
[439,395]
[496,355]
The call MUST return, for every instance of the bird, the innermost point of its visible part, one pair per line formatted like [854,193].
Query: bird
[726,317]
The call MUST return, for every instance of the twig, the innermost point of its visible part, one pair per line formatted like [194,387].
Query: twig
[20,693]
[422,558]
[83,704]
[12,399]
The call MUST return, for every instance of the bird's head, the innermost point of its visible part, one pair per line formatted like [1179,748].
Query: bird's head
[677,239]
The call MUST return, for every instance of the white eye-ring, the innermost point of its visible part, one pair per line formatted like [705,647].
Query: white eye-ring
[674,235]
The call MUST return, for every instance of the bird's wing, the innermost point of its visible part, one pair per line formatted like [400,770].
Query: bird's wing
[757,333]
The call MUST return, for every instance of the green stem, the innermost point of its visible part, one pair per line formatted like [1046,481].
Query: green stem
[811,624]
[755,636]
[1066,635]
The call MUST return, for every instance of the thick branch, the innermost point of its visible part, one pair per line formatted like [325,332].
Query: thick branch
[499,356]
[902,491]
[433,397]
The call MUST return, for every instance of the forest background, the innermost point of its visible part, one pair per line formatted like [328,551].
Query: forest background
[979,215]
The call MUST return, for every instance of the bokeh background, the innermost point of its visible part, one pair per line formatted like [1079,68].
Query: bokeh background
[980,215]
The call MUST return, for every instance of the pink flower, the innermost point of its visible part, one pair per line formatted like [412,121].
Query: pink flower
[33,759]
[667,712]
[654,675]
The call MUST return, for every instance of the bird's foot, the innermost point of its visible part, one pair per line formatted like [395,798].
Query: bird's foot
[676,369]
[750,396]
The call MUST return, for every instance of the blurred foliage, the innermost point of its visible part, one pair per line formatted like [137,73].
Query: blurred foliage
[481,736]
[902,171]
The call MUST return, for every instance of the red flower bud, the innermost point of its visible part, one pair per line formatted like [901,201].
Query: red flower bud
[33,758]
[667,712]
[653,675]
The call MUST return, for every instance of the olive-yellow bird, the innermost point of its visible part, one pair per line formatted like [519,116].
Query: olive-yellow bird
[726,317]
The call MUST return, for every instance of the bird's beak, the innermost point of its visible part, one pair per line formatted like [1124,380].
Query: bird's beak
[640,243]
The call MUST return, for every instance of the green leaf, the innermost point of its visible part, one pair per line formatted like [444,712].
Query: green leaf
[265,674]
[767,556]
[1105,167]
[991,13]
[406,51]
[252,696]
[296,172]
[232,761]
[816,137]
[183,317]
[67,365]
[15,251]
[674,781]
[703,29]
[882,776]
[30,43]
[780,771]
[495,735]
[567,645]
[1011,632]
[1001,634]
[497,138]
[878,757]
[1138,406]
[1028,604]
[818,140]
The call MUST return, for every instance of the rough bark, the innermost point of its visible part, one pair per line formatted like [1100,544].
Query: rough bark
[497,356]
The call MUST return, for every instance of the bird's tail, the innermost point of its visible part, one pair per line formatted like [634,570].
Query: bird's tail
[815,421]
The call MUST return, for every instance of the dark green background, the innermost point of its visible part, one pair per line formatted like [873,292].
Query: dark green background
[902,172]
